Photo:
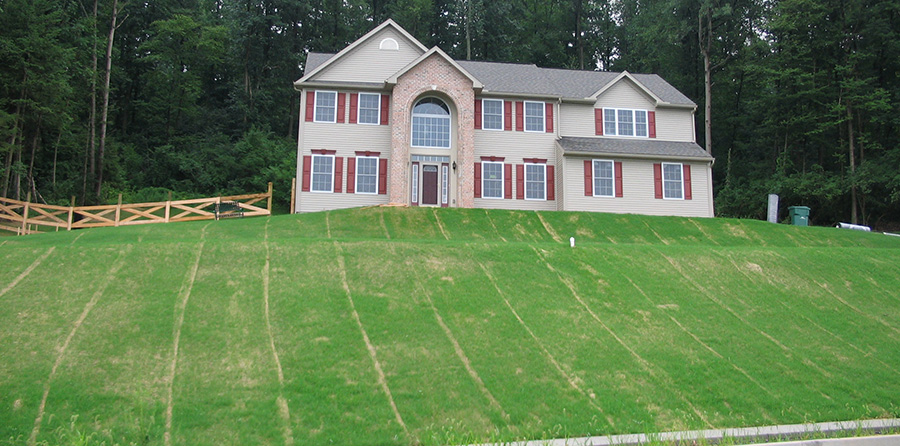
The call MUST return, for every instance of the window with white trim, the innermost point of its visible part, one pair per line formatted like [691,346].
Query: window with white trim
[492,114]
[445,183]
[624,122]
[491,179]
[431,124]
[322,173]
[366,175]
[326,106]
[673,181]
[369,110]
[534,116]
[535,181]
[604,179]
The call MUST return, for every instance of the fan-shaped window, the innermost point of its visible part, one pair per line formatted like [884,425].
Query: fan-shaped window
[431,124]
[388,44]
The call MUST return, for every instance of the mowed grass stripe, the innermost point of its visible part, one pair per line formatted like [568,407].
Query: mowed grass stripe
[63,349]
[329,379]
[226,389]
[37,316]
[283,408]
[410,341]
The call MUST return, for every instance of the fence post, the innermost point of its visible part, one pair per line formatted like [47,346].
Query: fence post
[168,206]
[25,213]
[269,204]
[293,194]
[118,209]
[71,214]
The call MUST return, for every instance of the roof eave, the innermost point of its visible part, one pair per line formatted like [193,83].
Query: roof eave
[705,159]
[476,84]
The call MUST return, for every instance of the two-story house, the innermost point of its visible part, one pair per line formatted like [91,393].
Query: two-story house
[387,120]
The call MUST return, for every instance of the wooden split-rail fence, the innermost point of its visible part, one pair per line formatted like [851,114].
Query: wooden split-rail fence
[24,217]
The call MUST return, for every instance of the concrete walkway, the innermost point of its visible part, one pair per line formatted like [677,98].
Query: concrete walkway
[748,436]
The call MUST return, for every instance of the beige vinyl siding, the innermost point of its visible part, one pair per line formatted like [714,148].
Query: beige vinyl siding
[368,63]
[576,120]
[346,139]
[514,146]
[674,124]
[625,94]
[637,190]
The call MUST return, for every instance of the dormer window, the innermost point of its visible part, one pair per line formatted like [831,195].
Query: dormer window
[388,44]
[624,122]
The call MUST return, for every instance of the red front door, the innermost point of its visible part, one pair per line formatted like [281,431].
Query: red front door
[429,185]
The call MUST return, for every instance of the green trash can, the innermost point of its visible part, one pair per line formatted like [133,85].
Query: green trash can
[799,215]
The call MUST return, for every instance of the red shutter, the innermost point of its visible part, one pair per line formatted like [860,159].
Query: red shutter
[477,115]
[307,166]
[520,181]
[310,105]
[520,116]
[507,115]
[618,179]
[651,123]
[338,173]
[341,106]
[588,178]
[598,121]
[507,181]
[385,106]
[382,176]
[551,184]
[351,171]
[687,181]
[657,180]
[354,106]
[548,117]
[477,180]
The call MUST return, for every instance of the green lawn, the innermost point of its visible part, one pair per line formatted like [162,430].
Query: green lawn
[405,326]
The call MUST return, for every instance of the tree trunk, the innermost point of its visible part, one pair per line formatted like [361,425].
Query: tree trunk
[90,160]
[468,29]
[105,110]
[852,146]
[705,42]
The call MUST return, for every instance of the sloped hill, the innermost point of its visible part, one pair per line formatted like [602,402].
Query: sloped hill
[404,326]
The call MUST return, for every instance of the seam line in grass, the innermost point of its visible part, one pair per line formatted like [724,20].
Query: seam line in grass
[27,271]
[284,410]
[382,380]
[116,266]
[186,288]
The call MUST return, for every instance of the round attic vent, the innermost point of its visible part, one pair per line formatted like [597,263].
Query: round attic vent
[389,44]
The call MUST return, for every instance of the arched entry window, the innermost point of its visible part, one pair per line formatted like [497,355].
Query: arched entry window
[431,124]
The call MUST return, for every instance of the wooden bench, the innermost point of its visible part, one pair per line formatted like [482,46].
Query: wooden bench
[228,209]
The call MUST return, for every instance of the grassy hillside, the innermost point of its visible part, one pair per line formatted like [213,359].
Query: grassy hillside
[402,326]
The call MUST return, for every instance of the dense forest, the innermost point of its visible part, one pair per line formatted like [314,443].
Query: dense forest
[101,97]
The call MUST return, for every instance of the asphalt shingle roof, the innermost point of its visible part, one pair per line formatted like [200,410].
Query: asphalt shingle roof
[651,147]
[499,77]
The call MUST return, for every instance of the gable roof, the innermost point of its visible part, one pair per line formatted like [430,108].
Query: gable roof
[308,73]
[572,145]
[440,53]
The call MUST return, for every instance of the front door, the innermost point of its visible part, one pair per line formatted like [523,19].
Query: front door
[429,185]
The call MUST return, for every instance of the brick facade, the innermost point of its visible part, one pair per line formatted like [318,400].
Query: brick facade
[434,76]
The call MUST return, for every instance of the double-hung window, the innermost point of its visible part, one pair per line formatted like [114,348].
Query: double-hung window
[369,108]
[604,181]
[492,114]
[673,181]
[534,116]
[366,175]
[326,106]
[323,173]
[535,181]
[491,180]
[624,122]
